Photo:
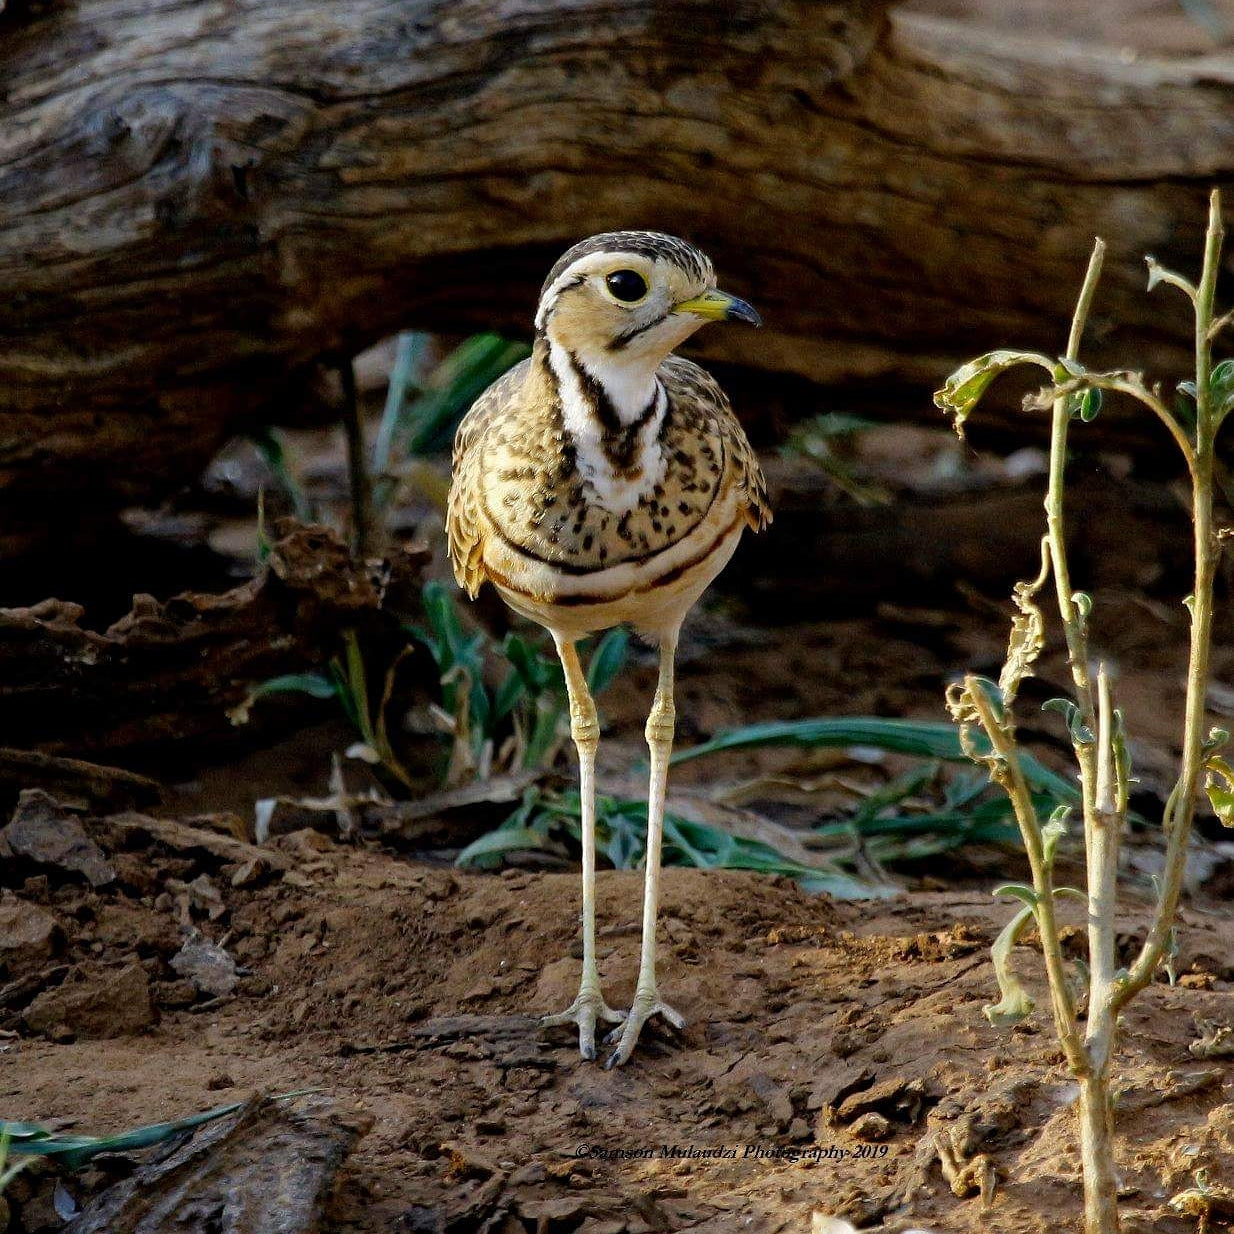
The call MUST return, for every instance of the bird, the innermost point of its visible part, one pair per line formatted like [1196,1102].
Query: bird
[605,481]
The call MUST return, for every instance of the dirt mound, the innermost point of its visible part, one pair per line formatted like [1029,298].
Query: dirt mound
[836,1058]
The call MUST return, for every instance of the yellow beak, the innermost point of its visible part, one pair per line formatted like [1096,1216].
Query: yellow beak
[719,306]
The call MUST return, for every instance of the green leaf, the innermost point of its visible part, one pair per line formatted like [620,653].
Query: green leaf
[607,660]
[964,388]
[511,691]
[993,693]
[1018,891]
[1015,1004]
[410,350]
[269,443]
[426,422]
[1053,831]
[1219,783]
[442,614]
[621,828]
[538,671]
[1071,893]
[1081,734]
[1221,388]
[1089,405]
[549,714]
[893,793]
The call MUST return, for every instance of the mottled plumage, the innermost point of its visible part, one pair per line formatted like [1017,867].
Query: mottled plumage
[606,481]
[516,478]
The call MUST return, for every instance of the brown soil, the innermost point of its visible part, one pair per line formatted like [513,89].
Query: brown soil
[829,1047]
[835,1052]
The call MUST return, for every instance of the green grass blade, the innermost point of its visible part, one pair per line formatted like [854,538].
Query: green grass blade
[607,660]
[502,840]
[269,444]
[316,685]
[76,1150]
[408,356]
[428,420]
[621,829]
[920,738]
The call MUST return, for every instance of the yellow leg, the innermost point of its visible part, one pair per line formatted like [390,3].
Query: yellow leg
[589,1007]
[660,724]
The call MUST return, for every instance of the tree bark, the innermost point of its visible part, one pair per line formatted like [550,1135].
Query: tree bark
[201,200]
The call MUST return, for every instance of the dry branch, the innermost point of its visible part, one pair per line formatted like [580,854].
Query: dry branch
[169,671]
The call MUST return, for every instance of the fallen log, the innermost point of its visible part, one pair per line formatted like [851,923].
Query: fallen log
[269,1168]
[202,202]
[170,671]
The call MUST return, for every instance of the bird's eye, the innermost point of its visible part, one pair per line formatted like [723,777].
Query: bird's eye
[628,286]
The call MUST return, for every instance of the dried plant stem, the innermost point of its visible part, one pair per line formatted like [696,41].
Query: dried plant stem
[362,537]
[1074,624]
[1104,797]
[1002,739]
[1096,727]
[1180,810]
[1102,822]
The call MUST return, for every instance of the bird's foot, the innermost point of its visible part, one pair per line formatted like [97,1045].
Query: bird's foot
[588,1009]
[646,1004]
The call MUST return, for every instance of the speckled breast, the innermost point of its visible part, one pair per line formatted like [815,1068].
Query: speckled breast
[540,505]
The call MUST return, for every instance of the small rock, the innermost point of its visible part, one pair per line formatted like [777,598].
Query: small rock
[199,896]
[773,1096]
[207,966]
[901,1099]
[870,1127]
[44,831]
[36,888]
[419,1219]
[528,1175]
[249,872]
[178,993]
[110,1005]
[29,936]
[557,1208]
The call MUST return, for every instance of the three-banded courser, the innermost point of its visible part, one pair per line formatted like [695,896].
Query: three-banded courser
[605,481]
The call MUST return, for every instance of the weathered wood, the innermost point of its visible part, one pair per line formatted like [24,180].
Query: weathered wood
[199,201]
[172,670]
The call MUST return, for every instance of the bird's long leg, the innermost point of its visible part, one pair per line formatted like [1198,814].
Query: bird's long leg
[589,1007]
[660,725]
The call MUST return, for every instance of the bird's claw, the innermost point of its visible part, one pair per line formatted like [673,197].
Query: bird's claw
[642,1011]
[586,1011]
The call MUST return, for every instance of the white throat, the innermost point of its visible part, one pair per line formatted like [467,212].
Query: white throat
[630,389]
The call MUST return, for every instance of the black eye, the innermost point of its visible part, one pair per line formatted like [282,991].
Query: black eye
[626,285]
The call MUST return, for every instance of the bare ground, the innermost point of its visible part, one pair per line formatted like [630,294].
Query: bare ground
[831,1048]
[836,1058]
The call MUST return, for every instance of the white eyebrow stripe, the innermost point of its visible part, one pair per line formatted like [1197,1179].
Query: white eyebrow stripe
[548,301]
[575,272]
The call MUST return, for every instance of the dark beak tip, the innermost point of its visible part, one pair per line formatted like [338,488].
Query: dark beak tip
[739,310]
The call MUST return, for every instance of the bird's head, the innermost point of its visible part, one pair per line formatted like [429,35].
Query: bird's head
[627,298]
